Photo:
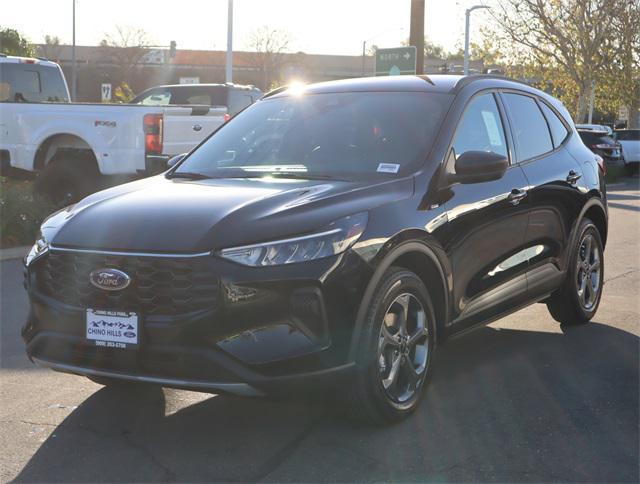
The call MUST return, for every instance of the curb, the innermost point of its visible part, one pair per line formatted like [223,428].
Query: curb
[14,253]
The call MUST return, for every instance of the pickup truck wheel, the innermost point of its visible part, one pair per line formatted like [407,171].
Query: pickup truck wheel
[67,180]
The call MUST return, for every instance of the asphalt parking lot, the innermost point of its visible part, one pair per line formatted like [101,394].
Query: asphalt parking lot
[520,400]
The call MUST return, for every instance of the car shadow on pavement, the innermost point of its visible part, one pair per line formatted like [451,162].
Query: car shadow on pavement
[503,405]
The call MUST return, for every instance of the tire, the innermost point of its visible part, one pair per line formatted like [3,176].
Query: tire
[66,180]
[373,394]
[577,300]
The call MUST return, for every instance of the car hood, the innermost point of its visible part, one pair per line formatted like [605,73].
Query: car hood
[187,216]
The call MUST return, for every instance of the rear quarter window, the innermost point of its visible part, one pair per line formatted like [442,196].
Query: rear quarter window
[558,130]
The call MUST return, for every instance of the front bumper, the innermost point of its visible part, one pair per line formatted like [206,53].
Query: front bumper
[272,330]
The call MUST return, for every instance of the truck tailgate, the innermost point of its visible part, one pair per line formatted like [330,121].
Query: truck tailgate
[185,126]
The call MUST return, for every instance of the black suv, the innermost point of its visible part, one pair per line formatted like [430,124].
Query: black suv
[331,234]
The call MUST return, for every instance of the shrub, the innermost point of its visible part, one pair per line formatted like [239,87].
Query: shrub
[21,212]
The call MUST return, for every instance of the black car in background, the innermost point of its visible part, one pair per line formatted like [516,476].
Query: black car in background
[327,238]
[602,144]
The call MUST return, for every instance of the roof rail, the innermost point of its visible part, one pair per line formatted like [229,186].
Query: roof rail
[275,91]
[466,80]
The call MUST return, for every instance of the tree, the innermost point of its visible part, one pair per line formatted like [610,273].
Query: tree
[13,43]
[125,48]
[268,46]
[566,43]
[624,72]
[431,49]
[51,48]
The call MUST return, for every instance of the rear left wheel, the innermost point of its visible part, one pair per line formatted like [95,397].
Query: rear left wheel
[577,300]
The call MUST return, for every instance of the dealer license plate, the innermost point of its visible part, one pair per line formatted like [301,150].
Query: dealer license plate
[112,329]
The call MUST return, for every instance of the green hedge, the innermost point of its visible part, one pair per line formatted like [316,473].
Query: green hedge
[21,212]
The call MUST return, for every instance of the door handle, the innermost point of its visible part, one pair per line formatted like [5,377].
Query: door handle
[516,196]
[197,127]
[573,177]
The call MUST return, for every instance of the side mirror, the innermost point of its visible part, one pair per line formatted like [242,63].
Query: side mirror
[176,159]
[478,167]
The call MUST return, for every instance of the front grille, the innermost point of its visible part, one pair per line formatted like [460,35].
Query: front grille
[159,286]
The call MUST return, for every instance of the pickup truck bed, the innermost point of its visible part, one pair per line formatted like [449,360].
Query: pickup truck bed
[69,145]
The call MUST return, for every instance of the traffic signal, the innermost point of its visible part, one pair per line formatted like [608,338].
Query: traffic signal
[172,49]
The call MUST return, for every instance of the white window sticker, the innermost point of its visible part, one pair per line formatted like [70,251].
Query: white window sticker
[492,128]
[388,168]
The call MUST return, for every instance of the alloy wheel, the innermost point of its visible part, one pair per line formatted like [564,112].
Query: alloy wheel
[403,348]
[588,274]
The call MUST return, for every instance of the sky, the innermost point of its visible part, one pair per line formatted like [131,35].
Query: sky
[314,26]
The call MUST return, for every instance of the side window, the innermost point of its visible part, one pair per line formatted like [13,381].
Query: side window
[22,82]
[199,99]
[480,128]
[159,97]
[558,130]
[530,129]
[53,87]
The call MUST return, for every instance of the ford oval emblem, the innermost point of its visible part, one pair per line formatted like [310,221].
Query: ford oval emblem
[109,279]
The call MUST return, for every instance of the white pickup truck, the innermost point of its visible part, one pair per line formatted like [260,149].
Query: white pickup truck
[70,145]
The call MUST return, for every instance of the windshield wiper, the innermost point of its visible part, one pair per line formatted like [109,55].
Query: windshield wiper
[189,175]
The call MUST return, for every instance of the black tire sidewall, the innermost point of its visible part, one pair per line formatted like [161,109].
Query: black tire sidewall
[586,227]
[394,283]
[79,174]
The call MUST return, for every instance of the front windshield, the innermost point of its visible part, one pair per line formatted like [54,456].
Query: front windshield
[352,135]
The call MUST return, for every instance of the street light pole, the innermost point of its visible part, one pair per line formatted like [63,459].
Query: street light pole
[229,69]
[73,54]
[467,22]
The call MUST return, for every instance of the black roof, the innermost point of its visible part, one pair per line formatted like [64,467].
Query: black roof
[444,83]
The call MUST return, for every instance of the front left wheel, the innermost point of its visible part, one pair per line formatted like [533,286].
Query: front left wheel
[395,349]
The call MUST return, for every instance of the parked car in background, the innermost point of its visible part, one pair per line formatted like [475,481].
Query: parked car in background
[234,97]
[595,127]
[602,144]
[629,140]
[327,238]
[70,146]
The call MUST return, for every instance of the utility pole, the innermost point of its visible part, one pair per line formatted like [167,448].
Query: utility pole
[467,22]
[229,70]
[416,33]
[73,55]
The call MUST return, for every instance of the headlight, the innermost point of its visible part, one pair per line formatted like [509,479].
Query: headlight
[40,248]
[334,239]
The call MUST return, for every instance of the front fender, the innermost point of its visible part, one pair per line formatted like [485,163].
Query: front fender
[394,250]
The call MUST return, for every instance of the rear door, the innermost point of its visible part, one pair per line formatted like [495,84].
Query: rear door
[487,222]
[540,136]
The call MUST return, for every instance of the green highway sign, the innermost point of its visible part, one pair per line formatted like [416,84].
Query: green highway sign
[396,61]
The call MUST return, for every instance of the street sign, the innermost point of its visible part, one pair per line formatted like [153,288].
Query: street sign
[105,91]
[396,61]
